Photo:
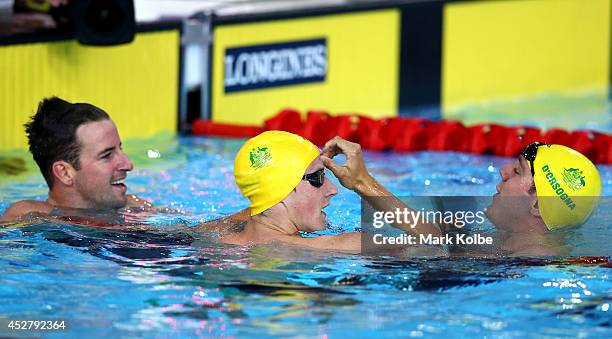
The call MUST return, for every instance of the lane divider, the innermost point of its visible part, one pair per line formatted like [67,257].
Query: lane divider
[404,134]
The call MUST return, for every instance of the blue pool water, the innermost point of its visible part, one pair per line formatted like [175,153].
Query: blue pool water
[165,279]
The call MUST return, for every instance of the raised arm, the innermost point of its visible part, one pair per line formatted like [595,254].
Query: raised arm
[354,175]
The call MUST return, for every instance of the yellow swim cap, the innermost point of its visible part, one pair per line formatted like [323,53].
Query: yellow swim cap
[568,186]
[269,166]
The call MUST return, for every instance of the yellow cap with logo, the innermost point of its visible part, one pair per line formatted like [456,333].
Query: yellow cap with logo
[568,186]
[269,166]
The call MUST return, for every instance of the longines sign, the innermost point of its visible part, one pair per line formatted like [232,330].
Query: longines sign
[275,65]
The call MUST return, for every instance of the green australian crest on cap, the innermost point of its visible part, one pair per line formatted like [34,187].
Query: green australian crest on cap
[260,157]
[573,178]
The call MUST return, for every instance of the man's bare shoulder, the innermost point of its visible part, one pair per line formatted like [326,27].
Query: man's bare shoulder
[231,224]
[24,207]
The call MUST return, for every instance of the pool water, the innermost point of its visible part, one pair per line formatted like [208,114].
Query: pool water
[166,279]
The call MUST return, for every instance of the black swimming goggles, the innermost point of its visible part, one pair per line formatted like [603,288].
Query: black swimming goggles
[316,178]
[529,153]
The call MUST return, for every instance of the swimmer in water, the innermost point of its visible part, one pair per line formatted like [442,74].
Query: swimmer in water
[283,176]
[547,188]
[78,150]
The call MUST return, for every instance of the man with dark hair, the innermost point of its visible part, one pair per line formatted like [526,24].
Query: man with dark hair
[78,150]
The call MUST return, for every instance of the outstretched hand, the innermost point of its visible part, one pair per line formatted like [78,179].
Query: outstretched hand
[353,174]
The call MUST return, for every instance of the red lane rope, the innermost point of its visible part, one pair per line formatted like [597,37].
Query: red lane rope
[405,134]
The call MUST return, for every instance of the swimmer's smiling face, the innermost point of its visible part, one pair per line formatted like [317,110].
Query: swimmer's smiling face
[306,202]
[515,196]
[100,181]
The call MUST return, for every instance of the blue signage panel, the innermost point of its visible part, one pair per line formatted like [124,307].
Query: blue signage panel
[275,65]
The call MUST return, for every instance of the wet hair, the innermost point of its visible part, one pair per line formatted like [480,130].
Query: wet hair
[51,133]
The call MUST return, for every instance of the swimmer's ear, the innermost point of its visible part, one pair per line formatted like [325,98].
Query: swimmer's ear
[64,172]
[534,209]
